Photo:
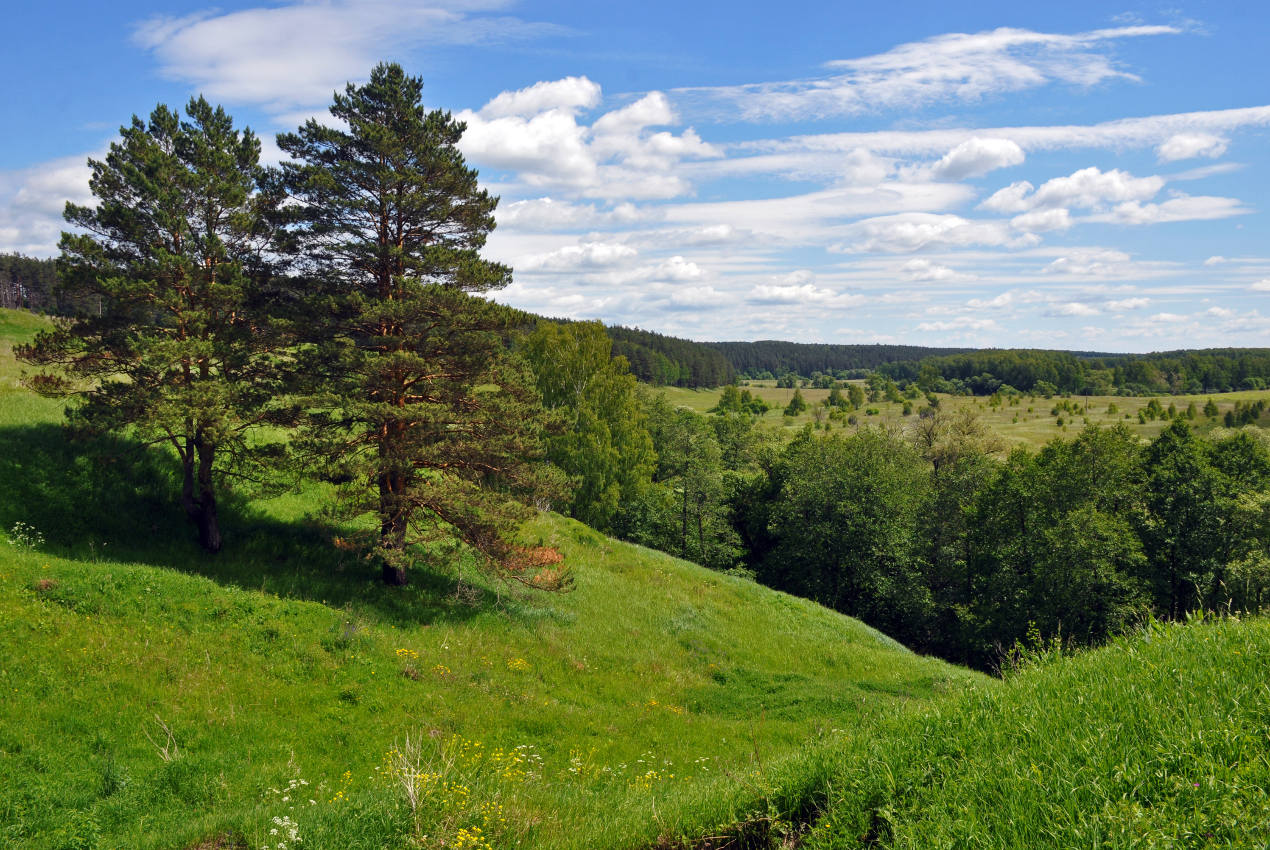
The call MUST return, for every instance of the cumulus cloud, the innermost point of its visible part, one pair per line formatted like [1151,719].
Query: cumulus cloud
[569,94]
[1215,260]
[1088,188]
[1123,304]
[957,67]
[976,157]
[1039,221]
[1190,145]
[1261,286]
[535,133]
[676,269]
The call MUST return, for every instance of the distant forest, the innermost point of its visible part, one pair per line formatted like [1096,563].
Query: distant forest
[1178,372]
[31,284]
[773,358]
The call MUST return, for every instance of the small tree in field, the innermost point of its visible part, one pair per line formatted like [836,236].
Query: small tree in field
[436,428]
[176,347]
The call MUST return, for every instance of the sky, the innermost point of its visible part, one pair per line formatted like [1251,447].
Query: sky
[1078,175]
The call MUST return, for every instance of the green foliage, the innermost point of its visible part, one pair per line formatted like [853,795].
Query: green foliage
[838,526]
[182,346]
[604,445]
[796,405]
[663,360]
[416,406]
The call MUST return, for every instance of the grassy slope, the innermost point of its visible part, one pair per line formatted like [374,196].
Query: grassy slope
[657,699]
[1160,740]
[1029,423]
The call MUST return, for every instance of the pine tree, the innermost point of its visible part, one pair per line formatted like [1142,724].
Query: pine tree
[433,425]
[174,343]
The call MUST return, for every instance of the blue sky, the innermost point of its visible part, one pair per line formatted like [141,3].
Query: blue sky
[1079,175]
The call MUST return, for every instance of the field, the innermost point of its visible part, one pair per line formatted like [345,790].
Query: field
[1030,421]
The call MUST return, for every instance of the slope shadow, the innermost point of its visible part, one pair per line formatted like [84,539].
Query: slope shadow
[113,499]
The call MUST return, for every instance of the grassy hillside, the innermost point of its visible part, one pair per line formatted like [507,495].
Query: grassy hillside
[158,697]
[1160,740]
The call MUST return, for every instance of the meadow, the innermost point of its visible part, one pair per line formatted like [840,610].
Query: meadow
[1025,420]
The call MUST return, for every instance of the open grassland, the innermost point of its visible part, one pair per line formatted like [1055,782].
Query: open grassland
[1160,740]
[158,697]
[1029,420]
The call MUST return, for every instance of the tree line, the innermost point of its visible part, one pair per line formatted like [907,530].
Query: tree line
[773,358]
[1047,372]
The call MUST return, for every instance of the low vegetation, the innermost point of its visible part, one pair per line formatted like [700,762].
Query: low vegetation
[1158,740]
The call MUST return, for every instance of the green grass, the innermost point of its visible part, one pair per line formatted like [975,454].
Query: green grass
[1028,423]
[656,701]
[152,696]
[1160,740]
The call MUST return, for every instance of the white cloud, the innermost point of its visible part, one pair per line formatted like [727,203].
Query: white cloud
[1087,188]
[569,94]
[1128,304]
[297,54]
[697,297]
[961,323]
[32,200]
[1189,145]
[804,293]
[920,269]
[1005,300]
[956,67]
[1167,318]
[547,214]
[616,157]
[907,232]
[1181,208]
[588,255]
[819,153]
[1039,221]
[1095,262]
[1261,286]
[976,157]
[1214,260]
[1073,308]
[676,269]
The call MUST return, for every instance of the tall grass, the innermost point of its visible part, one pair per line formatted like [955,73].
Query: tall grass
[1160,740]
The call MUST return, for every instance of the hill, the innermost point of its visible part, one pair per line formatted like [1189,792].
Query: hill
[159,697]
[1158,740]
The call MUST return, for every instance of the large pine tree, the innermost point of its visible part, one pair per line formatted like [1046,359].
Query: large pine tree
[173,346]
[437,430]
